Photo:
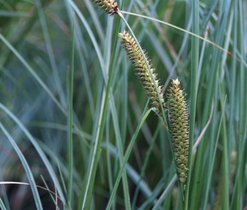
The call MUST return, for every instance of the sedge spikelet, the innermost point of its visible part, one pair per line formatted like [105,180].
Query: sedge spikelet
[143,73]
[179,128]
[108,6]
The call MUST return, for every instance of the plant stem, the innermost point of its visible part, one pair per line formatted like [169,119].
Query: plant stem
[193,91]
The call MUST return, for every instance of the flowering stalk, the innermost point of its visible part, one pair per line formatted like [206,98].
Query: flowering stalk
[108,6]
[179,129]
[142,71]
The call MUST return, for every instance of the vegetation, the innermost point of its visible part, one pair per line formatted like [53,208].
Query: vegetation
[79,130]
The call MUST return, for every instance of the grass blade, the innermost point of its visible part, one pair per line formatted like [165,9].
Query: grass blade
[26,167]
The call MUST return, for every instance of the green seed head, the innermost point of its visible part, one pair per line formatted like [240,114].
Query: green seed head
[108,6]
[143,73]
[179,128]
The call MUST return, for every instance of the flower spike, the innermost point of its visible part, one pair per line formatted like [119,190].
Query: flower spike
[108,6]
[142,71]
[179,128]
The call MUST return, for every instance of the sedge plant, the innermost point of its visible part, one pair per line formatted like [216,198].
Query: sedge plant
[91,120]
[178,117]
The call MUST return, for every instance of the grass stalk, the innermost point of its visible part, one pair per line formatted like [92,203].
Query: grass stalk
[238,189]
[225,161]
[70,120]
[193,93]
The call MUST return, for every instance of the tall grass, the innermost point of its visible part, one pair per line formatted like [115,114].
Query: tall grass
[76,123]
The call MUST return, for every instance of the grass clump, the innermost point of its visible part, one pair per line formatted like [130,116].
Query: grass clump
[72,110]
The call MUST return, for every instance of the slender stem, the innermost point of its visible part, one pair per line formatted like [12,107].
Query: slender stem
[70,119]
[193,91]
[193,34]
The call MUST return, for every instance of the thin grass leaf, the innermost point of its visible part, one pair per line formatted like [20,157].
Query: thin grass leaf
[37,147]
[70,119]
[57,80]
[25,165]
[240,177]
[2,206]
[197,189]
[32,72]
[52,195]
[193,92]
[126,156]
[165,193]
